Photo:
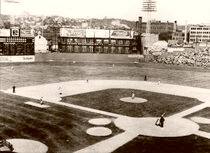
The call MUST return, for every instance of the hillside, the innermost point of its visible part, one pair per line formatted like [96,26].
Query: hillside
[27,21]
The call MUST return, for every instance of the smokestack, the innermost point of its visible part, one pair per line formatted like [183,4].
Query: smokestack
[137,26]
[175,26]
[140,25]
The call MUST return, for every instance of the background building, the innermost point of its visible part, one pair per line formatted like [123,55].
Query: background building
[97,41]
[40,44]
[178,36]
[199,34]
[157,27]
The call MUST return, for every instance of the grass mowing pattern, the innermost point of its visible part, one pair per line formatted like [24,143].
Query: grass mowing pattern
[188,144]
[109,100]
[62,129]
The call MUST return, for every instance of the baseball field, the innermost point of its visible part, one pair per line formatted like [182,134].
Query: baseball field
[76,92]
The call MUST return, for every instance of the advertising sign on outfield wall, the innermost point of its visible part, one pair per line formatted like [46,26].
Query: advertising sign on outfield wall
[15,31]
[67,32]
[4,32]
[97,33]
[123,34]
[26,33]
[90,33]
[6,59]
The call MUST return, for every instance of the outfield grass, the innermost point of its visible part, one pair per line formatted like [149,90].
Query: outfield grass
[62,129]
[49,72]
[109,100]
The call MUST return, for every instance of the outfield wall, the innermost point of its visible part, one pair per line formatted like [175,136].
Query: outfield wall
[11,59]
[88,57]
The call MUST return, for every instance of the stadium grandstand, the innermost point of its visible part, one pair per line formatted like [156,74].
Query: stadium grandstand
[97,41]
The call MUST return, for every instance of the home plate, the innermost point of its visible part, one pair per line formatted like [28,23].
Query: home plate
[173,127]
[36,104]
[28,146]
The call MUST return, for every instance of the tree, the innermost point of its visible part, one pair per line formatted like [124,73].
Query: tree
[165,36]
[7,25]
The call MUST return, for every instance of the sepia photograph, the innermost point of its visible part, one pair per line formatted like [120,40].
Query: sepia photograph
[104,76]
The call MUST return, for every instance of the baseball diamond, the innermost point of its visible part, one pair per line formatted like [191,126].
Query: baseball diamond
[101,112]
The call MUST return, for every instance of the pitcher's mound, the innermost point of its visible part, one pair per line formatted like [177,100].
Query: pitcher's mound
[28,146]
[133,100]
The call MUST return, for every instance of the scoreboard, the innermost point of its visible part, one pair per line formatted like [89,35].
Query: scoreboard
[16,46]
[12,44]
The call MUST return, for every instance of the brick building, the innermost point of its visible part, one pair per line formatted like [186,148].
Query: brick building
[158,27]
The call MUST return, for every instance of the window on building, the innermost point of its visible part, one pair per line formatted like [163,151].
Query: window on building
[127,42]
[113,41]
[98,41]
[120,42]
[79,41]
[69,40]
[106,41]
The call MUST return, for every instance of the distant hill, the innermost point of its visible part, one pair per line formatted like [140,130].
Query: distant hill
[27,21]
[49,25]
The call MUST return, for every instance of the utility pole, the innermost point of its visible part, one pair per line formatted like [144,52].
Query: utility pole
[1,21]
[185,33]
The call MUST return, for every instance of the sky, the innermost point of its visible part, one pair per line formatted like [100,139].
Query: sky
[182,11]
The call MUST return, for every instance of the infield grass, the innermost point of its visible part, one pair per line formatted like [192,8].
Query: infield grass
[109,100]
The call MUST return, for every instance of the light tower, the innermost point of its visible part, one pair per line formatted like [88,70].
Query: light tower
[149,6]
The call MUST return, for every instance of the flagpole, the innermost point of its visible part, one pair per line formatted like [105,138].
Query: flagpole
[1,21]
[0,8]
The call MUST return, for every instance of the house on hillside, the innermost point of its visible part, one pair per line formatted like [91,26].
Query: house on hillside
[41,45]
